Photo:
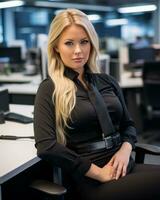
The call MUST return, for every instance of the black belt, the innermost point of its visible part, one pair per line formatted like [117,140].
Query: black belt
[108,143]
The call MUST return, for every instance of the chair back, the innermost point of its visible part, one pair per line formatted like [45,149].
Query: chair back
[151,81]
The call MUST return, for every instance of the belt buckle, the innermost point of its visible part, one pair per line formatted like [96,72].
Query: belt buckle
[107,143]
[116,139]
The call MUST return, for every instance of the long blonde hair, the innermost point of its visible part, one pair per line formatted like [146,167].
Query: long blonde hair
[64,95]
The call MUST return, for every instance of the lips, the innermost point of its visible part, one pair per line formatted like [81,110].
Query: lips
[78,59]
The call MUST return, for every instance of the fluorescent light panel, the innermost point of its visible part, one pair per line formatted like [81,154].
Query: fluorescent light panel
[9,4]
[116,22]
[94,17]
[134,9]
[72,5]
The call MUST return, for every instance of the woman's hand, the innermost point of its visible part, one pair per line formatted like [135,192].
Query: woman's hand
[115,168]
[120,160]
[107,173]
[103,174]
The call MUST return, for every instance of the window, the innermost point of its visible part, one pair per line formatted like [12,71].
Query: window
[1,28]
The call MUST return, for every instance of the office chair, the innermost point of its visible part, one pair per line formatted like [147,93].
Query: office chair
[49,190]
[151,96]
[54,190]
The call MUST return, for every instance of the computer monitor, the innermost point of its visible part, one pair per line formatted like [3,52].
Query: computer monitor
[42,42]
[141,55]
[13,54]
[43,63]
[104,63]
[115,69]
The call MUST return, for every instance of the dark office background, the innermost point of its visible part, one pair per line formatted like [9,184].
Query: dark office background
[30,20]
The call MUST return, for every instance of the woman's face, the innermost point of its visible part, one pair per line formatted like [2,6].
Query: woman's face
[74,47]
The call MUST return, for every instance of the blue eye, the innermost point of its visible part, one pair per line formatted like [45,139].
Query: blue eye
[69,43]
[84,41]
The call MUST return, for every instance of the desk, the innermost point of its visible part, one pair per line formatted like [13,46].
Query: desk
[128,82]
[18,78]
[132,87]
[31,87]
[20,92]
[17,155]
[24,93]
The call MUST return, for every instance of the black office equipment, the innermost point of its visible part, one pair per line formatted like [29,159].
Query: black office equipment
[115,69]
[10,116]
[12,57]
[13,54]
[13,137]
[142,55]
[4,101]
[15,117]
[151,94]
[2,119]
[104,63]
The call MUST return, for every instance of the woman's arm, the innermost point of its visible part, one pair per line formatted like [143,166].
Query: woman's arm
[45,135]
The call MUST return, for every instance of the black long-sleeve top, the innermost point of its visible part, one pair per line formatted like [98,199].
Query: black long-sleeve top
[85,126]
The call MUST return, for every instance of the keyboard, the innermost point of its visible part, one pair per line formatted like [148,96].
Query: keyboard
[15,117]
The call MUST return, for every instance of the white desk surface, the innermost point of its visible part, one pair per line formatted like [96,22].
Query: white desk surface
[17,85]
[17,155]
[27,88]
[18,77]
[31,88]
[128,82]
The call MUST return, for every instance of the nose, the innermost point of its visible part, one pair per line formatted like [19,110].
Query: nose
[77,49]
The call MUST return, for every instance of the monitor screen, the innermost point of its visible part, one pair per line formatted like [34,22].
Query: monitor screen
[141,55]
[13,54]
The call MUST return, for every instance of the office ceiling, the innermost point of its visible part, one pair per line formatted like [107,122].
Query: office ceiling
[104,2]
[122,2]
[89,5]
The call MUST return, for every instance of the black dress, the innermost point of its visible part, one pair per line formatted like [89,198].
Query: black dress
[85,127]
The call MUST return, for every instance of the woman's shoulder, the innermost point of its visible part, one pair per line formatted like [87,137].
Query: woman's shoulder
[46,86]
[106,78]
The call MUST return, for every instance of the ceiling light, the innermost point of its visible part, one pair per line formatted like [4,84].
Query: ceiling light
[72,5]
[8,4]
[55,0]
[134,9]
[116,22]
[94,17]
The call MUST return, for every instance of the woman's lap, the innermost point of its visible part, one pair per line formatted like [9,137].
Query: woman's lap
[142,183]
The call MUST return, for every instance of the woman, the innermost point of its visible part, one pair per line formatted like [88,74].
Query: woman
[67,125]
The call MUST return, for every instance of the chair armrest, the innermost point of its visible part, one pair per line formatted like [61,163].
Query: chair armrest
[142,149]
[148,148]
[48,187]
